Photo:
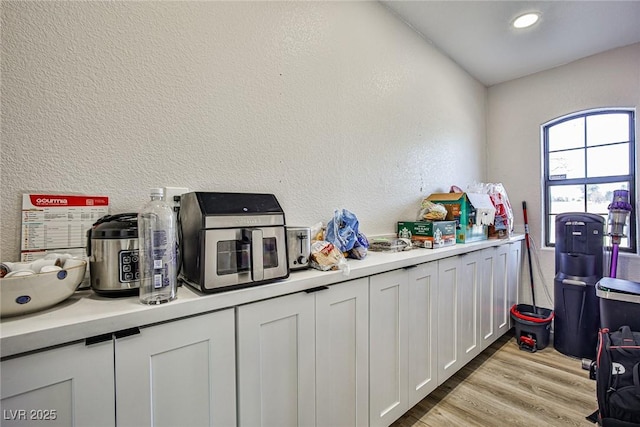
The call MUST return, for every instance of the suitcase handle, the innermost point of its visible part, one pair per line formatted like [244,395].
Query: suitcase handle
[627,336]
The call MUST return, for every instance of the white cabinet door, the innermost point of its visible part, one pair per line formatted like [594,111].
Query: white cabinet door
[276,362]
[422,324]
[65,386]
[388,334]
[514,269]
[487,295]
[342,354]
[178,373]
[468,307]
[501,291]
[448,320]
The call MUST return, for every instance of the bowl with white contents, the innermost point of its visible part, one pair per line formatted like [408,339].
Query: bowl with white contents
[23,290]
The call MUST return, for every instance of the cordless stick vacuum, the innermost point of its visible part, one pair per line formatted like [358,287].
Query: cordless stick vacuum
[619,211]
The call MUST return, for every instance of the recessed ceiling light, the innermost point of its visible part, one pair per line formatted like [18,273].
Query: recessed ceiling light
[526,20]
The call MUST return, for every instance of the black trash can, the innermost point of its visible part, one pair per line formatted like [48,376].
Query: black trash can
[619,303]
[577,318]
[533,325]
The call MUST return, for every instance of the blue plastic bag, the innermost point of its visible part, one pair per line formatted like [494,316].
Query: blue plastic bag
[359,250]
[343,232]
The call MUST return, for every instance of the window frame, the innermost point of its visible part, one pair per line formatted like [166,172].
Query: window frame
[586,181]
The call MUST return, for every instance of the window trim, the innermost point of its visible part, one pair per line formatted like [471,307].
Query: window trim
[631,177]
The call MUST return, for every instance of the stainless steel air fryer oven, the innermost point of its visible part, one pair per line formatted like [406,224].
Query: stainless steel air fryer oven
[231,240]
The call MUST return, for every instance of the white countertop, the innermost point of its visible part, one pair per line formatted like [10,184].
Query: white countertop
[85,314]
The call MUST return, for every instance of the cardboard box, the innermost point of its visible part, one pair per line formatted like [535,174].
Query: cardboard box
[428,234]
[463,212]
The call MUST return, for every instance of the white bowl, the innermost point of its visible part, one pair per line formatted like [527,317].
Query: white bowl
[26,294]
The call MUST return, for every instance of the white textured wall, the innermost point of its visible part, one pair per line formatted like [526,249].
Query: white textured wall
[518,108]
[325,104]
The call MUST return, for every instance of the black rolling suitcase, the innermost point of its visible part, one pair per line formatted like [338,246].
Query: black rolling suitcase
[618,377]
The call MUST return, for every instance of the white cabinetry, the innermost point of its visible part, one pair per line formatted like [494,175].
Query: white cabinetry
[494,312]
[178,373]
[65,386]
[423,322]
[356,353]
[514,268]
[342,354]
[502,290]
[499,285]
[448,294]
[276,362]
[475,292]
[402,340]
[487,295]
[299,349]
[388,346]
[469,307]
[458,313]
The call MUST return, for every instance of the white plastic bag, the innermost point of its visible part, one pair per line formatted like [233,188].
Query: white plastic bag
[326,256]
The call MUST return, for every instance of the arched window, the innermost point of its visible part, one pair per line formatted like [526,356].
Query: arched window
[588,155]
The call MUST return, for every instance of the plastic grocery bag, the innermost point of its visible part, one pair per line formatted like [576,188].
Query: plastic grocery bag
[504,213]
[342,231]
[498,195]
[431,211]
[317,231]
[360,248]
[325,256]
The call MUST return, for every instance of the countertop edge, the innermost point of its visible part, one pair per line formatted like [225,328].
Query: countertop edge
[86,315]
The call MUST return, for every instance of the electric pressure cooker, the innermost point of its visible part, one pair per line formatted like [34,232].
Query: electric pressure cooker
[112,248]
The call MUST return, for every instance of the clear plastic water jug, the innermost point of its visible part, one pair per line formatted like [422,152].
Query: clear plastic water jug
[157,250]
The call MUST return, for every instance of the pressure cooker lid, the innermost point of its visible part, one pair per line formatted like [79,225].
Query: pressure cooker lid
[120,226]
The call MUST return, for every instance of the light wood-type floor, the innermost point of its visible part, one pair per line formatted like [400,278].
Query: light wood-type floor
[506,386]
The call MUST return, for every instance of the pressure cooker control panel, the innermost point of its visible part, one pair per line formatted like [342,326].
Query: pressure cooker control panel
[128,266]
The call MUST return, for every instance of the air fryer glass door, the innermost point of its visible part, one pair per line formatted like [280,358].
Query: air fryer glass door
[241,256]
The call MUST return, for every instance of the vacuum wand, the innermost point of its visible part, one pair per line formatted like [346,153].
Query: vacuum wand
[526,238]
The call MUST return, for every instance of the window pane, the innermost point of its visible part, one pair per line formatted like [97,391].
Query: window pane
[566,198]
[589,149]
[607,128]
[608,160]
[566,164]
[552,229]
[569,134]
[600,195]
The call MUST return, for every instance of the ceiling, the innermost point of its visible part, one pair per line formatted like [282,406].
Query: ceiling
[477,34]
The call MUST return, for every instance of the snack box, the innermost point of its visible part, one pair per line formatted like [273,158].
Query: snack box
[428,234]
[463,212]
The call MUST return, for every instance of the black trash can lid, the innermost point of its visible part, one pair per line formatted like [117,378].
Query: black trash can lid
[618,289]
